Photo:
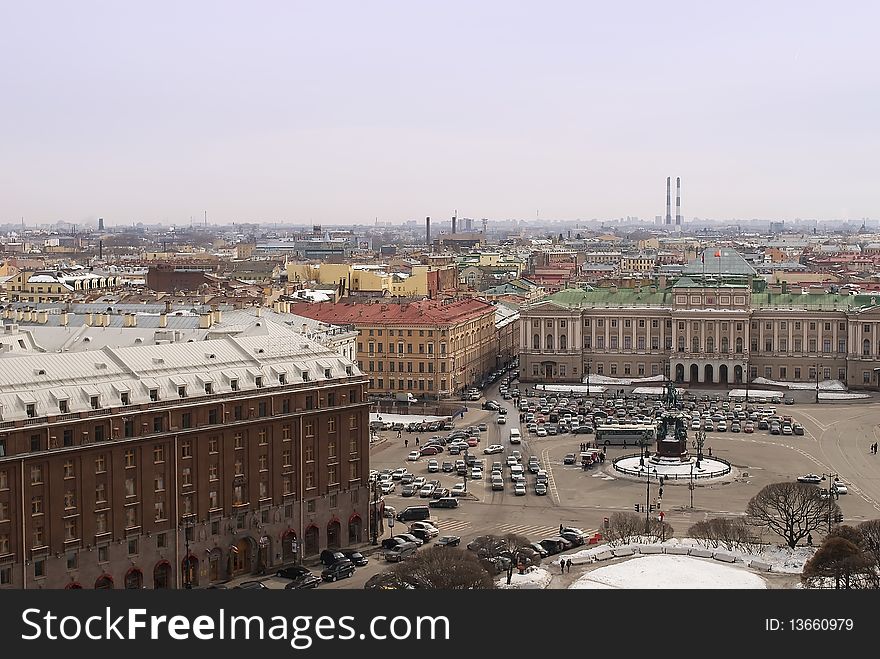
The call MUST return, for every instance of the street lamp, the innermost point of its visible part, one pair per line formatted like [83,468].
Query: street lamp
[187,560]
[375,529]
[589,366]
[465,470]
[832,495]
[648,498]
[691,485]
[817,383]
[747,381]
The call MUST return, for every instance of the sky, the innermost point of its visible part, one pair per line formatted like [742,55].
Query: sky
[344,112]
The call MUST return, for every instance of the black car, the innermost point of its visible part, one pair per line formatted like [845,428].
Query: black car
[292,572]
[576,539]
[303,581]
[251,585]
[389,543]
[356,557]
[421,534]
[339,570]
[449,541]
[331,556]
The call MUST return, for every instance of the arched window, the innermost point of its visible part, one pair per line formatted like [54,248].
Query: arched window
[725,345]
[866,348]
[710,344]
[695,344]
[563,342]
[549,344]
[739,344]
[536,342]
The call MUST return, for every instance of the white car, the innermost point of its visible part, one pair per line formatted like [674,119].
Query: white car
[501,420]
[458,490]
[493,448]
[722,426]
[413,456]
[433,466]
[541,431]
[426,491]
[511,461]
[840,488]
[476,474]
[695,424]
[519,489]
[387,487]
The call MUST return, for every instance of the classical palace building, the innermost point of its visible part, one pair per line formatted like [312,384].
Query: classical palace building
[710,326]
[177,464]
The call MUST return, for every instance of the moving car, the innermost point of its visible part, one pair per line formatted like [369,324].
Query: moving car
[387,487]
[809,478]
[398,473]
[449,541]
[303,581]
[447,467]
[429,450]
[541,488]
[356,557]
[292,572]
[251,585]
[339,570]
[331,556]
[797,428]
[501,420]
[409,537]
[413,456]
[519,489]
[426,491]
[444,502]
[409,490]
[457,490]
[401,552]
[569,459]
[839,487]
[493,448]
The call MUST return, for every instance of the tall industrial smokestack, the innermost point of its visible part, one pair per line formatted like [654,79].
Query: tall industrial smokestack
[678,201]
[453,223]
[427,230]
[668,200]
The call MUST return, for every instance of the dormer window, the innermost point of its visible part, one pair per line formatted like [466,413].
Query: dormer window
[124,398]
[95,402]
[282,378]
[62,407]
[259,382]
[305,376]
[348,370]
[31,410]
[209,388]
[233,385]
[181,391]
[327,373]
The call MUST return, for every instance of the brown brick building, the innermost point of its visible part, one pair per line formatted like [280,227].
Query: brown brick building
[154,466]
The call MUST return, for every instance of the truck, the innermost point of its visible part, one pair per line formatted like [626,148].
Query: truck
[405,398]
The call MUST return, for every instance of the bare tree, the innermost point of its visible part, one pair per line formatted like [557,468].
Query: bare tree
[503,553]
[623,528]
[659,531]
[704,533]
[730,533]
[870,531]
[791,510]
[841,559]
[443,568]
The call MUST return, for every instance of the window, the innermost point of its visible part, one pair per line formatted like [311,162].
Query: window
[103,554]
[212,416]
[36,505]
[154,395]
[99,433]
[213,500]
[39,568]
[841,345]
[181,391]
[186,477]
[613,369]
[5,576]
[209,387]
[259,382]
[4,543]
[131,518]
[263,462]
[31,410]
[4,480]
[68,469]
[797,373]
[239,467]
[4,511]
[36,444]
[129,458]
[186,449]
[36,475]
[62,406]
[132,546]
[866,377]
[212,445]
[100,493]
[159,482]
[70,530]
[124,398]
[129,487]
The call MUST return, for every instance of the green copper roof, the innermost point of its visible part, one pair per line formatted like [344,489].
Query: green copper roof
[823,301]
[621,297]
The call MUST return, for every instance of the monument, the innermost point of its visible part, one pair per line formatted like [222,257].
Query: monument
[672,431]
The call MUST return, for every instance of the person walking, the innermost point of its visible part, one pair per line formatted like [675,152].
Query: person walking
[560,529]
[405,442]
[809,539]
[710,451]
[562,565]
[417,443]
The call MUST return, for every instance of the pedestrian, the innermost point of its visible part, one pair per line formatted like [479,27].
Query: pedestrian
[562,565]
[710,451]
[560,529]
[568,565]
[417,443]
[405,443]
[809,539]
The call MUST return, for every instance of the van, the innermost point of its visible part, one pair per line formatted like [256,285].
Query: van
[414,514]
[515,436]
[401,552]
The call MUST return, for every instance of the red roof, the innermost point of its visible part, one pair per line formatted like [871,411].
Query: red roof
[424,312]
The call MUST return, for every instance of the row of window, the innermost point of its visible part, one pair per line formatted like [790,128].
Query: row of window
[380,347]
[378,332]
[380,367]
[410,384]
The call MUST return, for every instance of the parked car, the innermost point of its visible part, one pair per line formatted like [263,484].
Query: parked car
[810,478]
[457,490]
[429,450]
[519,489]
[409,490]
[787,429]
[388,543]
[839,487]
[331,556]
[543,553]
[413,456]
[402,551]
[541,489]
[797,428]
[440,492]
[433,466]
[249,585]
[493,448]
[445,502]
[303,581]
[339,570]
[409,537]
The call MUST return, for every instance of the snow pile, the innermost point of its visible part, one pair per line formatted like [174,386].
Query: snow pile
[824,385]
[405,418]
[670,572]
[534,578]
[828,395]
[623,382]
[656,391]
[570,388]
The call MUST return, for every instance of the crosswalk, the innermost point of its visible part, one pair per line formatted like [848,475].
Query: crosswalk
[451,525]
[534,532]
[530,531]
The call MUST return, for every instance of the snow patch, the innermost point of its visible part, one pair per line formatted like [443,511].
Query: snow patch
[534,578]
[827,395]
[670,572]
[404,418]
[824,385]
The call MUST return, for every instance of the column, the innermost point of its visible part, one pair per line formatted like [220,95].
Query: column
[717,339]
[776,336]
[806,344]
[760,336]
[687,334]
[834,337]
[592,334]
[790,337]
[635,338]
[873,339]
[648,323]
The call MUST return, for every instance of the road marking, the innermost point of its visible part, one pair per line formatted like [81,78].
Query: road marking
[536,530]
[453,524]
[545,462]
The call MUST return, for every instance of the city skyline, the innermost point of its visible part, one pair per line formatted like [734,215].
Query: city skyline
[342,114]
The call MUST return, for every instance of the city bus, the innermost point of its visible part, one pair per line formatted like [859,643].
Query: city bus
[625,435]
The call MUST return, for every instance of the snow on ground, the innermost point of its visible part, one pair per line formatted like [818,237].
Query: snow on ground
[535,579]
[824,385]
[404,418]
[782,559]
[656,391]
[828,395]
[670,572]
[756,394]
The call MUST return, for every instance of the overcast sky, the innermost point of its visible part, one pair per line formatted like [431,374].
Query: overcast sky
[340,112]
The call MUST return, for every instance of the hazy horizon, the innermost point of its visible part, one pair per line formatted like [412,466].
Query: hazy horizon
[300,113]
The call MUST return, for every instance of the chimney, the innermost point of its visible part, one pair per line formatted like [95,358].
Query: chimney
[276,306]
[427,230]
[163,320]
[7,312]
[668,200]
[206,320]
[106,320]
[19,314]
[167,306]
[90,319]
[43,317]
[259,311]
[101,249]
[678,201]
[218,315]
[134,319]
[453,224]
[64,320]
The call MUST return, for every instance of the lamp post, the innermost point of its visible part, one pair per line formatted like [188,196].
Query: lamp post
[187,574]
[832,495]
[747,381]
[465,470]
[817,383]
[375,539]
[700,439]
[589,367]
[648,499]
[691,485]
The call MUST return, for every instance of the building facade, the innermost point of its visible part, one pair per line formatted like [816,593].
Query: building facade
[694,333]
[178,465]
[431,348]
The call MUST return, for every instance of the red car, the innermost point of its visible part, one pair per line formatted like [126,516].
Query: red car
[472,441]
[429,450]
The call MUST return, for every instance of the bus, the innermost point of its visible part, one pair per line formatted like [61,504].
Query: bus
[626,435]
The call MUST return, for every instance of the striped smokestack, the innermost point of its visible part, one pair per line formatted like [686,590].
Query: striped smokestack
[668,200]
[678,201]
